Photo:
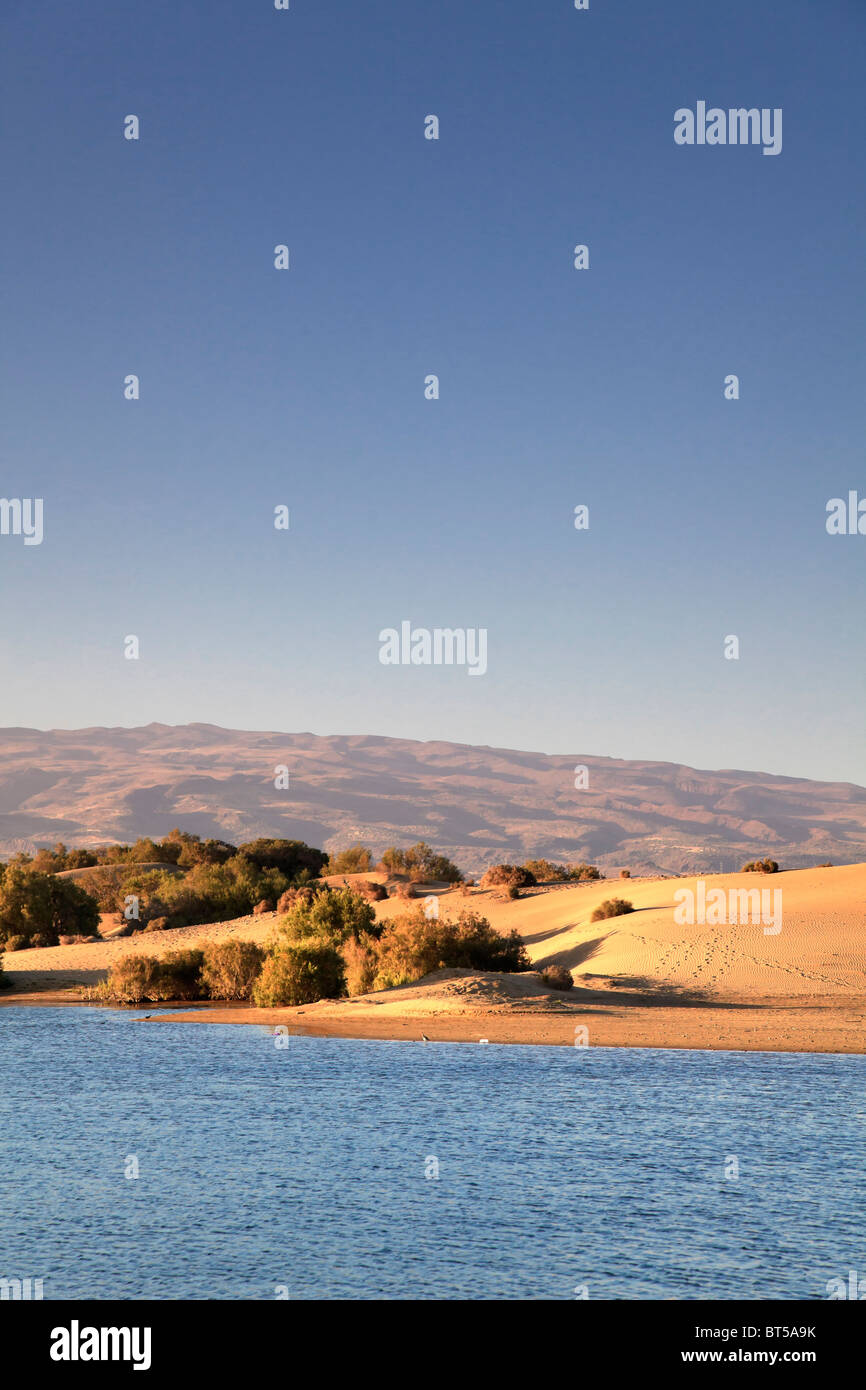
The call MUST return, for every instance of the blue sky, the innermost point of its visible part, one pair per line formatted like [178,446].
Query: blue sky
[453,257]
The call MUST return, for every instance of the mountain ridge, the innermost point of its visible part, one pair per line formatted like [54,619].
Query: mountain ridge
[479,804]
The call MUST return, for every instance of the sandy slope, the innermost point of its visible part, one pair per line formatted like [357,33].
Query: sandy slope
[640,979]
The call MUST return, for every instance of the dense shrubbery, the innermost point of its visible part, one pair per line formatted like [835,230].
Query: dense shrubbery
[153,979]
[333,917]
[333,944]
[39,908]
[412,945]
[507,876]
[300,972]
[584,873]
[421,863]
[762,866]
[222,970]
[545,871]
[611,907]
[4,983]
[206,893]
[296,861]
[231,968]
[357,859]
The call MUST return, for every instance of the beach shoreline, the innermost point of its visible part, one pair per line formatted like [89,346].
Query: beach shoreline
[808,1025]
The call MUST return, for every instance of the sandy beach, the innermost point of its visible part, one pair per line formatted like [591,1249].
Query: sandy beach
[641,980]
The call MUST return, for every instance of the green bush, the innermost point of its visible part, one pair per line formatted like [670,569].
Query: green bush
[354,860]
[332,916]
[300,972]
[612,907]
[231,968]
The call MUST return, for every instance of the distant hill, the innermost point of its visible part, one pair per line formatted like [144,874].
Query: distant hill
[477,805]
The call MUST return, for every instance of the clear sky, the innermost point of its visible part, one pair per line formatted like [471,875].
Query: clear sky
[408,257]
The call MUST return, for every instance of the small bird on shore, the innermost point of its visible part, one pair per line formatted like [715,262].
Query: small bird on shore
[424,1037]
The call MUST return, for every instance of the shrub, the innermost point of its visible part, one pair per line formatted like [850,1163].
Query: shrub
[612,907]
[17,943]
[287,900]
[508,875]
[584,873]
[300,972]
[557,977]
[262,906]
[231,968]
[625,873]
[412,945]
[543,871]
[156,924]
[4,983]
[133,979]
[332,916]
[357,859]
[761,866]
[373,892]
[360,959]
[149,979]
[405,890]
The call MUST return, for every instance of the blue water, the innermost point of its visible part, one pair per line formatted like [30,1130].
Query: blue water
[303,1169]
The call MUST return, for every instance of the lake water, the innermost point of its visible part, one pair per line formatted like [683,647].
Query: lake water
[302,1169]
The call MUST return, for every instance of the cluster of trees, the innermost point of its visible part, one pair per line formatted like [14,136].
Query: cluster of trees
[36,909]
[328,944]
[764,866]
[216,882]
[419,863]
[292,857]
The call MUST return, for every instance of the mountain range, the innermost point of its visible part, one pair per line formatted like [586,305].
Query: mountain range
[478,805]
